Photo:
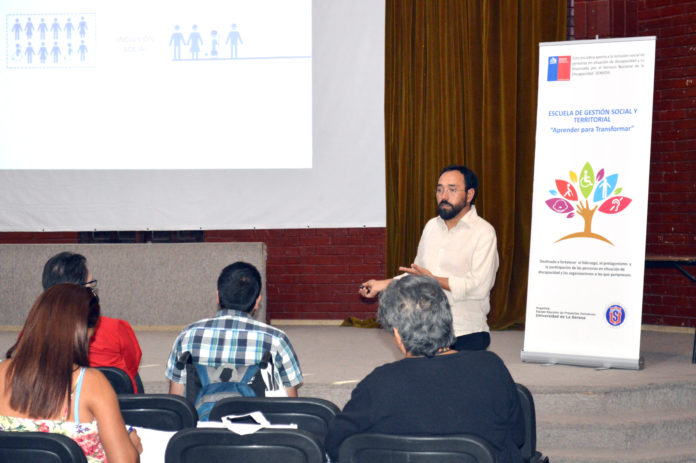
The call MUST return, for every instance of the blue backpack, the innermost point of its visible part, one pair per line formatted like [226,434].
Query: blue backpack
[206,385]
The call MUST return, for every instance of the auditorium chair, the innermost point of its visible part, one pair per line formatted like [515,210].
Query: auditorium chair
[381,448]
[39,447]
[164,412]
[528,449]
[309,414]
[139,384]
[206,445]
[118,378]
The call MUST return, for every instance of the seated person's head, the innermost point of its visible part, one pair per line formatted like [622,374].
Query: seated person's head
[239,287]
[416,309]
[65,267]
[49,346]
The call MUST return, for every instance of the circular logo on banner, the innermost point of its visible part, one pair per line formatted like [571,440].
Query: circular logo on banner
[615,315]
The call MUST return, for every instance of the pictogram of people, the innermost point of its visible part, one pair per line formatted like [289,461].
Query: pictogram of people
[177,40]
[232,38]
[29,52]
[82,50]
[69,28]
[213,44]
[43,53]
[194,42]
[42,29]
[17,29]
[55,47]
[55,28]
[82,27]
[29,28]
[55,51]
[605,186]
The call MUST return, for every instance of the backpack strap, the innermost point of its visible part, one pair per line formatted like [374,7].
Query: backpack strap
[193,380]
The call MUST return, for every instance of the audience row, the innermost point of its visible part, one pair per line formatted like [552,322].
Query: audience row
[434,390]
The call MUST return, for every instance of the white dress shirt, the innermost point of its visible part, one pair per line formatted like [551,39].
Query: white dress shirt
[467,255]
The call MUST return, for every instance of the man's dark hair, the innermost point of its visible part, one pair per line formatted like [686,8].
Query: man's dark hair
[239,285]
[470,179]
[66,267]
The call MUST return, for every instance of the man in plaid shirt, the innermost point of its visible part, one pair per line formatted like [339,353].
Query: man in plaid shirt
[233,336]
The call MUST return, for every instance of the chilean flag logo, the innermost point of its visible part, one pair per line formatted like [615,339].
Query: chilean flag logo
[558,68]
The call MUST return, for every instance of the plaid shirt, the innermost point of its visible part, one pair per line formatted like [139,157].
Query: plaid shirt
[236,338]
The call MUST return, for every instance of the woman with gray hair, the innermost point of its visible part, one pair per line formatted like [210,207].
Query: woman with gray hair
[433,390]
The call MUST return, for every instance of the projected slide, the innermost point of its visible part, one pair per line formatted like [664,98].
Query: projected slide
[210,84]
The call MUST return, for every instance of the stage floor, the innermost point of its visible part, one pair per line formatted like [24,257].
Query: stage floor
[342,356]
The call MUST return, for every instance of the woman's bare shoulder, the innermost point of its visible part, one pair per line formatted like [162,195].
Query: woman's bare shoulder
[95,383]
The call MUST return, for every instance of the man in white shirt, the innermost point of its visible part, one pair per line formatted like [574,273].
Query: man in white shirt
[459,249]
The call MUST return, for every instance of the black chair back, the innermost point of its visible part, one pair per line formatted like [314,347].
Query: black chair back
[309,414]
[528,449]
[382,448]
[206,445]
[118,378]
[39,447]
[165,412]
[139,384]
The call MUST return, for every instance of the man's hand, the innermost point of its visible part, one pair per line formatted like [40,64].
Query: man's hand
[418,270]
[371,288]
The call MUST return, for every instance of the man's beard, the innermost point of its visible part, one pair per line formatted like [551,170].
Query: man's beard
[452,211]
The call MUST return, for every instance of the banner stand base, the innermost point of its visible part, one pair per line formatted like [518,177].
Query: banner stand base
[582,360]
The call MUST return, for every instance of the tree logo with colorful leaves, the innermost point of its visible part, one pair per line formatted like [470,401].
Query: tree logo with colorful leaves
[605,199]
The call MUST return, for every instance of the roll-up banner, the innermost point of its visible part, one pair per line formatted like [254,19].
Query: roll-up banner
[590,202]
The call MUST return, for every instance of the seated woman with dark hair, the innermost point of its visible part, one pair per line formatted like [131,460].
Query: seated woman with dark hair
[45,387]
[433,390]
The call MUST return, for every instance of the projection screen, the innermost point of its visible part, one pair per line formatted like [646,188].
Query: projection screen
[215,114]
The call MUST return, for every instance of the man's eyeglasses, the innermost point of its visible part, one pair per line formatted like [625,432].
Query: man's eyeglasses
[451,190]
